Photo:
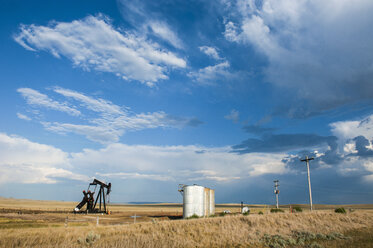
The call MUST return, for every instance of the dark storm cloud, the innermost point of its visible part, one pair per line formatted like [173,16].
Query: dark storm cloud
[361,146]
[258,130]
[311,75]
[330,157]
[282,143]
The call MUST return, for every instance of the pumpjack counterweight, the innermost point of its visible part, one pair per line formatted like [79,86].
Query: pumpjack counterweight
[93,199]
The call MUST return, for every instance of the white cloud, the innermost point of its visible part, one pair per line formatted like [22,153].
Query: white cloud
[346,130]
[230,32]
[178,163]
[108,123]
[357,166]
[211,74]
[93,43]
[163,31]
[136,175]
[350,148]
[234,115]
[101,134]
[23,117]
[97,105]
[210,51]
[354,161]
[34,97]
[146,21]
[318,49]
[23,161]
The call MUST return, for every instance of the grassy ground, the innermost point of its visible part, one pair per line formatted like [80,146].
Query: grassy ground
[41,225]
[317,229]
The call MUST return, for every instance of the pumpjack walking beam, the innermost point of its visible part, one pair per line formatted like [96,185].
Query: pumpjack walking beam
[101,196]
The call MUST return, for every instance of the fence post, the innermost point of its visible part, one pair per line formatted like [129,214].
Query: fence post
[66,221]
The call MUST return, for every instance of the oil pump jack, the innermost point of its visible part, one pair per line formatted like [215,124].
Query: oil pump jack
[92,198]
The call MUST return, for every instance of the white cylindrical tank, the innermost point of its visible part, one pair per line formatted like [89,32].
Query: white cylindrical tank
[212,202]
[206,202]
[193,198]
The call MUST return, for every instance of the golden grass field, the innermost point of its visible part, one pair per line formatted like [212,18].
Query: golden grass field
[28,223]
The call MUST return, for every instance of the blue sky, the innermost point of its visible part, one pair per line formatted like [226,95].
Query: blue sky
[150,94]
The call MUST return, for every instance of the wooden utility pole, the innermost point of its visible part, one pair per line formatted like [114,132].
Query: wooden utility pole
[309,178]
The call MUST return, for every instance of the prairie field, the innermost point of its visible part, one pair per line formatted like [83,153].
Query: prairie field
[28,223]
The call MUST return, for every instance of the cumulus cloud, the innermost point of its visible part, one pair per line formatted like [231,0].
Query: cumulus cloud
[24,161]
[211,74]
[318,50]
[94,43]
[178,163]
[349,152]
[108,122]
[350,129]
[210,51]
[355,137]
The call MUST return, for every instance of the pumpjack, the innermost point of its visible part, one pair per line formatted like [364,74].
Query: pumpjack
[90,198]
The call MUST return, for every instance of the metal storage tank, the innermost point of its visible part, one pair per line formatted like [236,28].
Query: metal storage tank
[206,202]
[193,198]
[197,200]
[212,202]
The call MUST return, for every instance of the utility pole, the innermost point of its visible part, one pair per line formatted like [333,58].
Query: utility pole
[276,191]
[307,159]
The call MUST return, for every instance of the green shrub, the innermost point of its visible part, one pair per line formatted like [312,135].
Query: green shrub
[315,245]
[260,212]
[335,236]
[304,236]
[340,210]
[308,237]
[246,213]
[275,241]
[298,209]
[276,210]
[194,216]
[222,214]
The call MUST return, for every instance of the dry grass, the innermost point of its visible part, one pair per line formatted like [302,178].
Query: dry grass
[28,223]
[228,231]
